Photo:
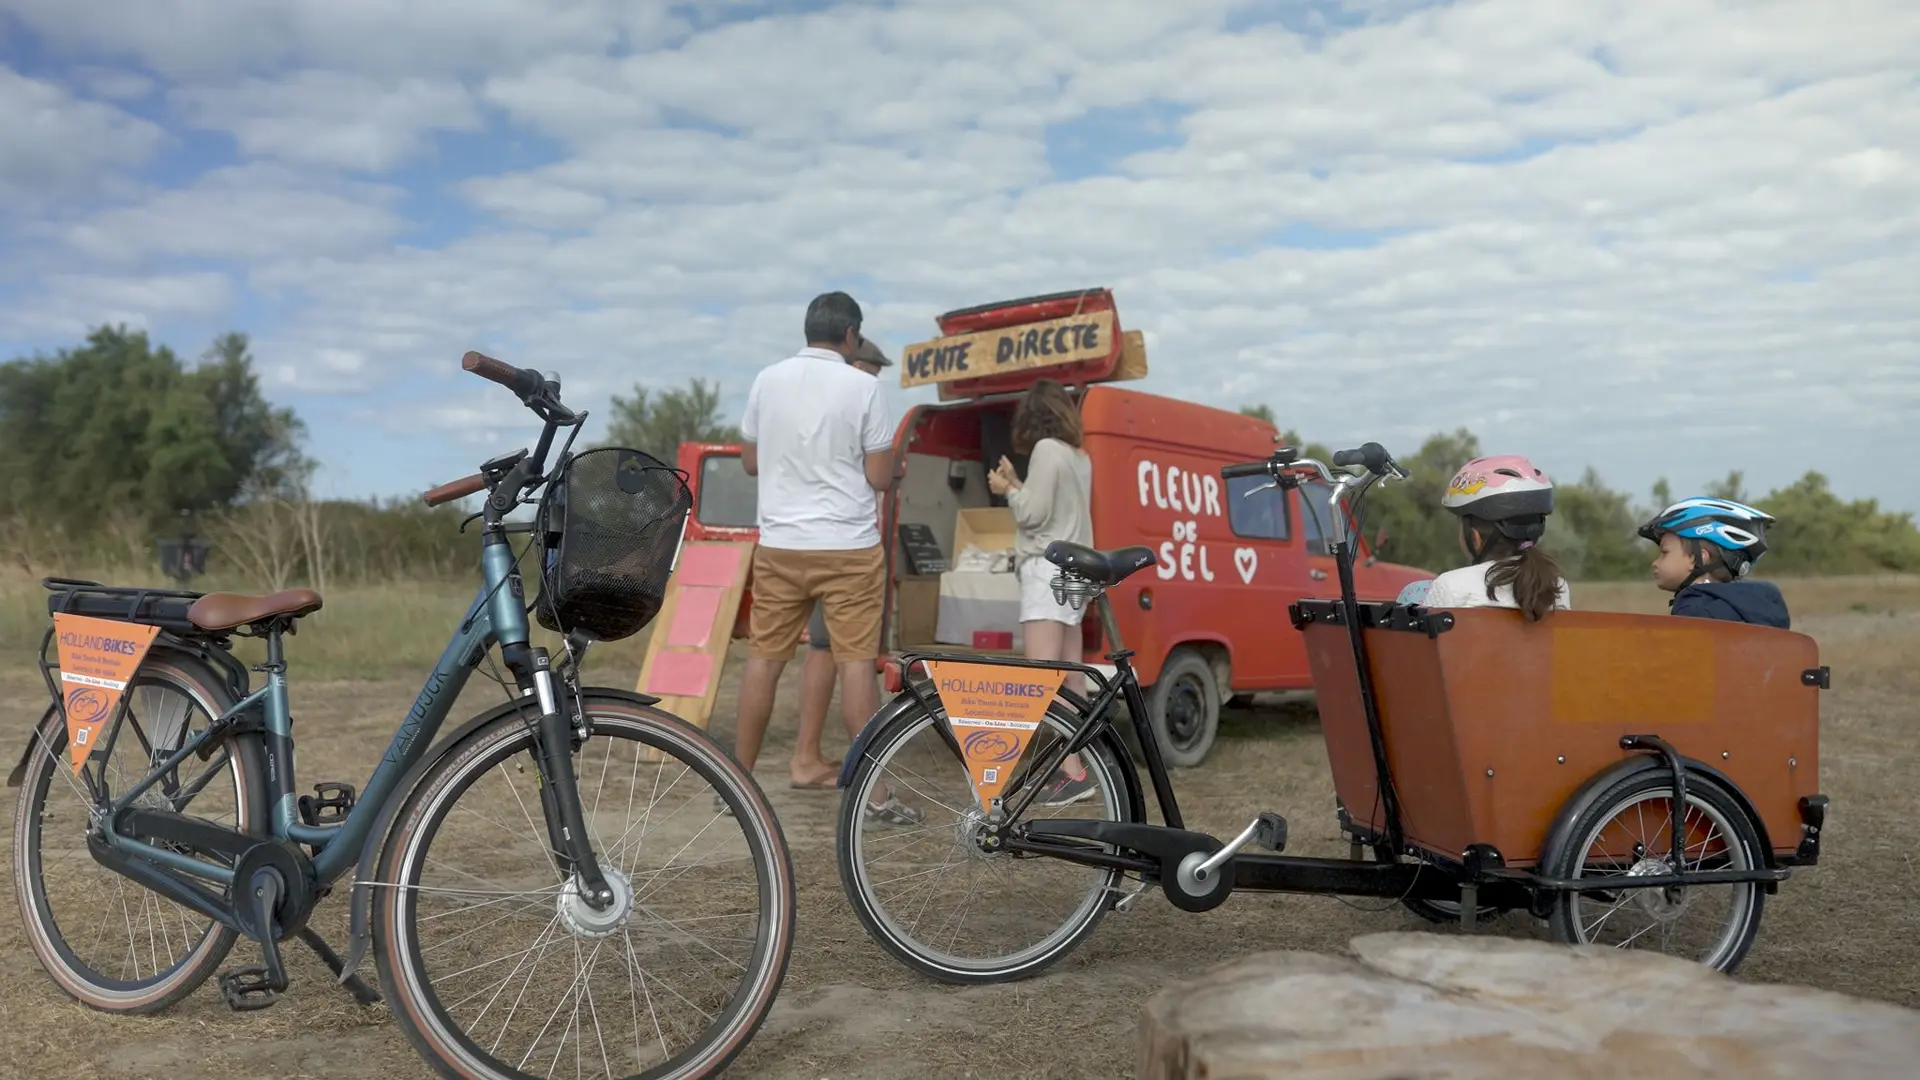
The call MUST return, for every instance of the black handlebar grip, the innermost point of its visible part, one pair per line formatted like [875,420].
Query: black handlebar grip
[1250,468]
[1372,455]
[524,382]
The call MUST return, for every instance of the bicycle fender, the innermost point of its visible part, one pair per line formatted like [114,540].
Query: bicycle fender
[359,893]
[886,714]
[1583,798]
[19,772]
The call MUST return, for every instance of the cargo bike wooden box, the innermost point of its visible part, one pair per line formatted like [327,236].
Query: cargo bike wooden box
[1482,763]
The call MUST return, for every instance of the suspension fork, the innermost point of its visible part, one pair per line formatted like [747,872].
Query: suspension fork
[567,832]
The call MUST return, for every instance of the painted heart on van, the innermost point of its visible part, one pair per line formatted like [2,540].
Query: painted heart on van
[1246,560]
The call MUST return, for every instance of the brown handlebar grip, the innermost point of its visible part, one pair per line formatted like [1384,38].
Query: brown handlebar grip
[456,489]
[488,368]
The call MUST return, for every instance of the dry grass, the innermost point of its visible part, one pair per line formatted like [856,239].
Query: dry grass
[848,1009]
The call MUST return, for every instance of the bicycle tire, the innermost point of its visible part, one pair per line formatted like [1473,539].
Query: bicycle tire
[1104,754]
[39,923]
[415,1005]
[1704,794]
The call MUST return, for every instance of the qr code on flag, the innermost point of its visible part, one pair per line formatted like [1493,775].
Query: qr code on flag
[990,776]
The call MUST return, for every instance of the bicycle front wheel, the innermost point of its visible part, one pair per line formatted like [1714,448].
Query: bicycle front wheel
[497,967]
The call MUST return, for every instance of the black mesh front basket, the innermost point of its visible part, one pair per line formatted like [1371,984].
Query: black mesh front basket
[612,520]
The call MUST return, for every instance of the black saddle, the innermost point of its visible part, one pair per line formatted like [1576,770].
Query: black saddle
[1099,567]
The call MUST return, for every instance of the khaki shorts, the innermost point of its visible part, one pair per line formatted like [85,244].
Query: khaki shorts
[851,587]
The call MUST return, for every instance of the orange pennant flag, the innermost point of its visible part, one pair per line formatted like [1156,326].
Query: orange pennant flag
[993,711]
[97,658]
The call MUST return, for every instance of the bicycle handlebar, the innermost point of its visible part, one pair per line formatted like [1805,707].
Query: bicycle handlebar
[455,489]
[524,382]
[1285,463]
[508,481]
[1372,455]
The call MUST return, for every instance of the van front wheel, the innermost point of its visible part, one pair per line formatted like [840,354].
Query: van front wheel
[1184,708]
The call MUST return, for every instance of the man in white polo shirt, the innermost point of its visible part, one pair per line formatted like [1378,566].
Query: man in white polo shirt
[817,434]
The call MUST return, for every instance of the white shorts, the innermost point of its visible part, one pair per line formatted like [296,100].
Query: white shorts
[1036,595]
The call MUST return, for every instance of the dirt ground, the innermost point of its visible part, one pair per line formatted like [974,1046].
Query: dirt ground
[849,1010]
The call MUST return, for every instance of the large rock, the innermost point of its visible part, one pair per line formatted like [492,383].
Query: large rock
[1412,1006]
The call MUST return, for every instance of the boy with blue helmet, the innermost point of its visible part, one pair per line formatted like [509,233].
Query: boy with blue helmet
[1707,549]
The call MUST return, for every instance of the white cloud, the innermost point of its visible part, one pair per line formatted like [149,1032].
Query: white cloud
[192,40]
[1660,238]
[119,84]
[66,307]
[333,119]
[52,144]
[249,212]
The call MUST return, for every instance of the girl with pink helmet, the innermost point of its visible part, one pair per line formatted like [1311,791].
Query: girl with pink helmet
[1502,503]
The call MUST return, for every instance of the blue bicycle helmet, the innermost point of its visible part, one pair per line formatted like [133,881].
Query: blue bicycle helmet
[1738,530]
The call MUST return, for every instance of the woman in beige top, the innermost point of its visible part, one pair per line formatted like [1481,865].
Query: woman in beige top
[1055,502]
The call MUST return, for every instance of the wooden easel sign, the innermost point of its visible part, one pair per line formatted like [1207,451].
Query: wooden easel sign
[686,656]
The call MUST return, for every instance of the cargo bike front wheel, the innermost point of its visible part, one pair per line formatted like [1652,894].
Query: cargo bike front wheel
[1627,832]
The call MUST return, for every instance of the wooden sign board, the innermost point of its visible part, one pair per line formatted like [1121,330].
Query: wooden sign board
[687,653]
[1066,340]
[1133,357]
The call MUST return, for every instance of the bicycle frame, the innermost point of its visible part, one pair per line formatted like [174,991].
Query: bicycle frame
[497,616]
[494,617]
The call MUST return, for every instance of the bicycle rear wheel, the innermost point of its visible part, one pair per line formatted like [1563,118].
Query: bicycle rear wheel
[933,897]
[497,968]
[111,943]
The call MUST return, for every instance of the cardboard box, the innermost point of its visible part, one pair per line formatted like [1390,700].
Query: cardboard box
[976,601]
[989,528]
[919,609]
[973,602]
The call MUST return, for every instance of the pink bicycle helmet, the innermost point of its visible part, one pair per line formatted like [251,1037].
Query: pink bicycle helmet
[1505,489]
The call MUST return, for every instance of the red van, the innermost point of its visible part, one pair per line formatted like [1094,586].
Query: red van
[1207,623]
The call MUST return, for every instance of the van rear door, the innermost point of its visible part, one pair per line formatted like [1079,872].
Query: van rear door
[726,504]
[726,500]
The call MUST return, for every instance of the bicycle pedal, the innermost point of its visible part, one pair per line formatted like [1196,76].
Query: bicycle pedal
[1271,832]
[248,988]
[329,805]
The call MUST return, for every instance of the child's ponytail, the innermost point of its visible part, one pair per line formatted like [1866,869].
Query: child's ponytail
[1533,575]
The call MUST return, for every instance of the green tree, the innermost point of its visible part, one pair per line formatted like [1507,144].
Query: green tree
[121,428]
[658,423]
[1820,533]
[1591,532]
[1732,488]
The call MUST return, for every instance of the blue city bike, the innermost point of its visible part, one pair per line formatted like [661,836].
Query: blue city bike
[573,882]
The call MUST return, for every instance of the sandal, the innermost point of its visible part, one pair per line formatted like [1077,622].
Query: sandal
[893,812]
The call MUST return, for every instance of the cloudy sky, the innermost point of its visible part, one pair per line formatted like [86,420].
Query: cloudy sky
[1671,237]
